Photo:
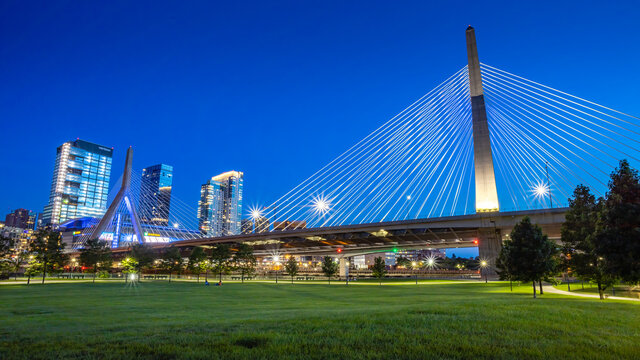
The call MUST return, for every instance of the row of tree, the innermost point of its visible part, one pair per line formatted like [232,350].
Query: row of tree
[45,254]
[219,260]
[600,239]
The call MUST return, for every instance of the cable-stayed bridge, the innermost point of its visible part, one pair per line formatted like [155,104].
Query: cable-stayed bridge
[457,168]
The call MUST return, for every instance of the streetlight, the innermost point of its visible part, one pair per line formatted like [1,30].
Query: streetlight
[413,267]
[483,265]
[276,261]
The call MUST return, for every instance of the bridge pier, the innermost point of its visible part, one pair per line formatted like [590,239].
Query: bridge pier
[489,245]
[344,267]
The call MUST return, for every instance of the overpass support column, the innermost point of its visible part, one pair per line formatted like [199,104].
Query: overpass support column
[344,267]
[489,245]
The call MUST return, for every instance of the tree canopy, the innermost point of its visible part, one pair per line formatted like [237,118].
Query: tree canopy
[529,254]
[329,267]
[618,233]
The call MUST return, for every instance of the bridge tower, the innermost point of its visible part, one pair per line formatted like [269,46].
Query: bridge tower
[486,193]
[124,195]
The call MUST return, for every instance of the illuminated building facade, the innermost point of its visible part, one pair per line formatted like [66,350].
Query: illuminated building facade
[80,182]
[21,218]
[220,205]
[155,194]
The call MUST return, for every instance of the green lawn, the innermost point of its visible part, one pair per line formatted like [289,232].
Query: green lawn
[157,320]
[621,291]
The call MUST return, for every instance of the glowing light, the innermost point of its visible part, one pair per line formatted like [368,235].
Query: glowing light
[176,225]
[276,258]
[321,205]
[540,190]
[483,263]
[408,197]
[255,213]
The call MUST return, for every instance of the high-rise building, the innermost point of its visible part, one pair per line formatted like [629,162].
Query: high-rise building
[155,194]
[80,182]
[21,218]
[247,226]
[261,224]
[220,205]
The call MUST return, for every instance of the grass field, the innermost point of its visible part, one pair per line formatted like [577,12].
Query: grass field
[621,291]
[157,320]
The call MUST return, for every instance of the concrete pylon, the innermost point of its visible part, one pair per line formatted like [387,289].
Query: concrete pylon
[489,238]
[486,193]
[124,195]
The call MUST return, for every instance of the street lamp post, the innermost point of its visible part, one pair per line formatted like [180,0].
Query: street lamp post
[413,267]
[483,265]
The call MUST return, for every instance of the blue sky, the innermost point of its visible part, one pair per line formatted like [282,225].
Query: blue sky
[275,89]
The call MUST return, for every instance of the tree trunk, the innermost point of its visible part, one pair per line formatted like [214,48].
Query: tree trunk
[541,291]
[329,280]
[206,276]
[613,290]
[242,276]
[511,284]
[169,276]
[28,279]
[94,275]
[44,270]
[568,284]
[291,279]
[198,277]
[534,289]
[600,291]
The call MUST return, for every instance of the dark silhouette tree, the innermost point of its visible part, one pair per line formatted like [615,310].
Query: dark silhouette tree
[244,260]
[172,261]
[291,267]
[220,259]
[379,269]
[48,249]
[144,256]
[6,256]
[503,265]
[618,234]
[96,254]
[531,255]
[197,261]
[329,267]
[579,233]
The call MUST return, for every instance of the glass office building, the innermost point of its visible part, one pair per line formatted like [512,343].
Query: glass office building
[220,205]
[155,194]
[80,182]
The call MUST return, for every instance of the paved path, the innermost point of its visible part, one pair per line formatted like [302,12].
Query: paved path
[553,290]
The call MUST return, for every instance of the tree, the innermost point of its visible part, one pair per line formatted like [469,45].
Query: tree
[197,261]
[34,267]
[6,253]
[530,253]
[172,261]
[291,267]
[404,262]
[143,255]
[329,267]
[47,248]
[220,257]
[618,234]
[96,254]
[17,260]
[503,265]
[129,266]
[379,269]
[578,235]
[244,260]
